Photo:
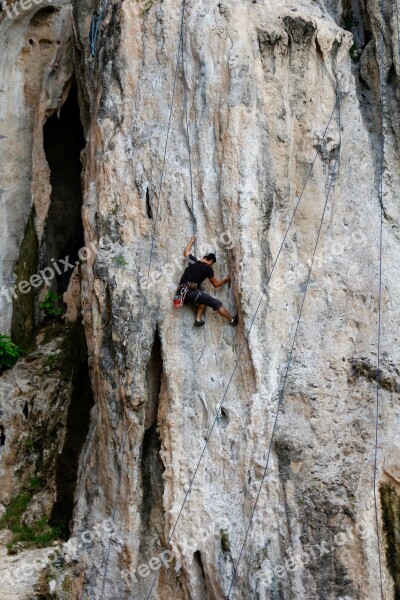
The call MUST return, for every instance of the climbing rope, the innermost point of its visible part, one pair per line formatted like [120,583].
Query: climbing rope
[95,26]
[378,371]
[265,289]
[282,391]
[136,362]
[327,73]
[94,32]
[185,102]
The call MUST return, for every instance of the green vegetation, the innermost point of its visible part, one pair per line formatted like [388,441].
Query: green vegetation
[40,533]
[51,305]
[28,443]
[390,502]
[9,352]
[23,319]
[147,4]
[52,330]
[51,362]
[63,360]
[119,260]
[261,555]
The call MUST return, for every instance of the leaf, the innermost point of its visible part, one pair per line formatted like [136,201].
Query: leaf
[9,352]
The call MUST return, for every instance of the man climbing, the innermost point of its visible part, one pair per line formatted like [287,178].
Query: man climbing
[194,275]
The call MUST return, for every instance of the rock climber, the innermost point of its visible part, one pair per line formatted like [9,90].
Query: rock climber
[194,275]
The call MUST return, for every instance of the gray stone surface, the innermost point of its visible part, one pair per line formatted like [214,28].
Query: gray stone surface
[261,81]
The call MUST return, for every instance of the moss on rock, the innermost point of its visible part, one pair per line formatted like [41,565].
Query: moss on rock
[391,523]
[23,320]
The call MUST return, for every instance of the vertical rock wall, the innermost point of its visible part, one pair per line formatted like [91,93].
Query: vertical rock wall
[263,82]
[36,66]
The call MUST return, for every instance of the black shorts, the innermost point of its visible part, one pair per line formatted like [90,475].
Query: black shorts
[200,297]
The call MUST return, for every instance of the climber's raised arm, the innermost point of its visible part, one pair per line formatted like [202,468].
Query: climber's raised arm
[188,248]
[218,282]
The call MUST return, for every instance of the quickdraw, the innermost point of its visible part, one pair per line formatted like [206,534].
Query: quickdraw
[180,296]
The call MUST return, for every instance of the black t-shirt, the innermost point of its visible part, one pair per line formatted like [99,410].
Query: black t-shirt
[196,271]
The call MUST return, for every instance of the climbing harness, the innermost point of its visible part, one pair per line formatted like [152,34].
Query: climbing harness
[181,292]
[180,296]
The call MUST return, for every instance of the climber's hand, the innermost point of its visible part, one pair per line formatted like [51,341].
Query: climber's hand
[186,251]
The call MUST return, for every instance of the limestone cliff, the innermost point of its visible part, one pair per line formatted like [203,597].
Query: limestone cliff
[284,105]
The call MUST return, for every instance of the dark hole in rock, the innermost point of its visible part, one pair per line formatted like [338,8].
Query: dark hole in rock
[392,75]
[42,15]
[355,18]
[63,142]
[2,436]
[225,544]
[152,467]
[224,418]
[201,576]
[152,540]
[148,205]
[75,361]
[390,501]
[25,410]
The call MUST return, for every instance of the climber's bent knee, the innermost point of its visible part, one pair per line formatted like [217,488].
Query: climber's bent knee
[196,297]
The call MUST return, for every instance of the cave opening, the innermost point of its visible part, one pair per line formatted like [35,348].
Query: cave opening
[152,467]
[390,501]
[75,366]
[355,18]
[200,574]
[63,141]
[148,205]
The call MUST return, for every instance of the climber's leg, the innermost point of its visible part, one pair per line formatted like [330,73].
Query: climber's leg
[224,313]
[200,310]
[233,321]
[216,305]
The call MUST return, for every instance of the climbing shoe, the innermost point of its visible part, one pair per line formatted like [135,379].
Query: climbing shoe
[234,321]
[199,323]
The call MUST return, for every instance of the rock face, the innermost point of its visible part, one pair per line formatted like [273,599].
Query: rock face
[285,133]
[33,85]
